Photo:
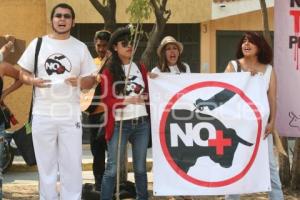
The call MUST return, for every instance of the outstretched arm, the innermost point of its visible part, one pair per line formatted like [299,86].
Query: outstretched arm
[28,78]
[85,83]
[9,70]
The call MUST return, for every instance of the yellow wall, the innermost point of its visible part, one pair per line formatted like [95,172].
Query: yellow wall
[248,21]
[25,20]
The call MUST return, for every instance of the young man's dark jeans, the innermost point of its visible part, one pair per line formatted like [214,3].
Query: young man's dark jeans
[98,147]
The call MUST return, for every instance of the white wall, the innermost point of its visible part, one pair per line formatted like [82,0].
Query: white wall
[220,10]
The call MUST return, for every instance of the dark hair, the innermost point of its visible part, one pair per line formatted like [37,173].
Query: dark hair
[163,65]
[62,5]
[115,64]
[121,34]
[264,54]
[102,35]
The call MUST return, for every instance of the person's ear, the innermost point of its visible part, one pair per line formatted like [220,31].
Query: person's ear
[115,47]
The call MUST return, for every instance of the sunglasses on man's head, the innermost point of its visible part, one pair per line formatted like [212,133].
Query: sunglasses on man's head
[60,15]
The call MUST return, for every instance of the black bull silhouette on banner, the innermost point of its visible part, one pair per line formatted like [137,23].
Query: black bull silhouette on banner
[186,156]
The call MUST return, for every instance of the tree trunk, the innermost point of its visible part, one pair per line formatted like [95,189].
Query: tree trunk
[162,16]
[284,165]
[267,33]
[152,43]
[108,12]
[295,183]
[110,25]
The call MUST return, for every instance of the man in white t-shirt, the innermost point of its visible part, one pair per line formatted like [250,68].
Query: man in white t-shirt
[64,67]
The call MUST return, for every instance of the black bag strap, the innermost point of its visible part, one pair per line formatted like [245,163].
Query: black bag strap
[36,56]
[239,67]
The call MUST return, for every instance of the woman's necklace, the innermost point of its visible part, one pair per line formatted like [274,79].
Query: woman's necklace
[255,67]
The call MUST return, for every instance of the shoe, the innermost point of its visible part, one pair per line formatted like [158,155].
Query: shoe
[88,192]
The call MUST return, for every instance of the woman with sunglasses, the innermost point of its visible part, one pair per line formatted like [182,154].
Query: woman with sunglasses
[126,103]
[255,55]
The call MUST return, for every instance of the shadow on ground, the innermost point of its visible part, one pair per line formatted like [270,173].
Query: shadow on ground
[30,192]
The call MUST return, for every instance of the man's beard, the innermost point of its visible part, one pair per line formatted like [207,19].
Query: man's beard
[60,32]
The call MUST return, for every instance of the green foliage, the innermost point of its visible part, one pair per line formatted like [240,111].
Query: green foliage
[139,10]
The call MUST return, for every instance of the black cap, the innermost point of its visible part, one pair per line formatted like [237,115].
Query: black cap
[122,33]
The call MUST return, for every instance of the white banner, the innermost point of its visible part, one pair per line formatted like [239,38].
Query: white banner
[207,132]
[287,65]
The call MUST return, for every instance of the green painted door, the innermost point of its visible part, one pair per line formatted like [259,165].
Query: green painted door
[227,42]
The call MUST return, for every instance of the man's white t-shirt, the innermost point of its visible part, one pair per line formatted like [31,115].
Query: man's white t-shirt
[58,60]
[135,86]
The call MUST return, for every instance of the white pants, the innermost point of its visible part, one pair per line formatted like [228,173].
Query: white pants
[58,149]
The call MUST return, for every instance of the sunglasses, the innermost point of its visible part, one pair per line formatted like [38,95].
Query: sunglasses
[66,16]
[126,43]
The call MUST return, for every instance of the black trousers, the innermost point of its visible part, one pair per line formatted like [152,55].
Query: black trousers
[98,147]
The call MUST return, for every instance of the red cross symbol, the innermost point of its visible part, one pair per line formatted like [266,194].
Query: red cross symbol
[220,142]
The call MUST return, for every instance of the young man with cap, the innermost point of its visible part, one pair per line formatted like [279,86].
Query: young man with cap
[64,67]
[127,104]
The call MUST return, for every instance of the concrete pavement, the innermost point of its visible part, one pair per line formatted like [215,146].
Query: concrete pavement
[21,181]
[20,172]
[19,164]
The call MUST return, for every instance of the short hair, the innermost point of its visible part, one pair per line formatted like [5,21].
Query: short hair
[102,35]
[264,54]
[62,5]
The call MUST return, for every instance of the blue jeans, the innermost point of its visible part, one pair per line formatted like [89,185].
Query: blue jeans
[276,191]
[138,135]
[2,129]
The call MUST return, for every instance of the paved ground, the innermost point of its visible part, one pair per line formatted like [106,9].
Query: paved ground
[21,182]
[25,187]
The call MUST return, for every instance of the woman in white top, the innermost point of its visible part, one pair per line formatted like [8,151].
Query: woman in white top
[169,54]
[255,55]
